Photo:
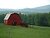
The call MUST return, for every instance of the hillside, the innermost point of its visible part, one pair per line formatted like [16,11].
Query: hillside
[4,11]
[42,9]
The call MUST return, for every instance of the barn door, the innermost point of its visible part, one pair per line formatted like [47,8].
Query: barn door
[14,23]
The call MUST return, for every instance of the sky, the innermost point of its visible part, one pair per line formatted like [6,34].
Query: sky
[20,4]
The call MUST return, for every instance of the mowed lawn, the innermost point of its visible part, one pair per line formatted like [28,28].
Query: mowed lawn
[22,32]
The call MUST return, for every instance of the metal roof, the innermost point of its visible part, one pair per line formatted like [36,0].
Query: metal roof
[7,16]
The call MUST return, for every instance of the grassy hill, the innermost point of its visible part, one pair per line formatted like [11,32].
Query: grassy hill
[22,32]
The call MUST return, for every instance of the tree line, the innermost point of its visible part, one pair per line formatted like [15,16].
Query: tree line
[40,19]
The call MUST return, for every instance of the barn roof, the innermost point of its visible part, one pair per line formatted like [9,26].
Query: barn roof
[7,16]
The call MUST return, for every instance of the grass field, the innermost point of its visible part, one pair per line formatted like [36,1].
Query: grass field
[22,32]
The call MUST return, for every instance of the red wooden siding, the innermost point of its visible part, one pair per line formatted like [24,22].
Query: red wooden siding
[14,18]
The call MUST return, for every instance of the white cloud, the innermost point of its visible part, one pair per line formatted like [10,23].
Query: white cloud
[16,4]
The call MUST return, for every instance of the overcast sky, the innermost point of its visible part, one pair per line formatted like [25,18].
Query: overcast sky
[19,4]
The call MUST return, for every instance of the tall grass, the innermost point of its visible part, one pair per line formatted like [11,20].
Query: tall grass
[22,32]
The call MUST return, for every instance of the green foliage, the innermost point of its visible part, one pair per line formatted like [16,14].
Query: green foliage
[41,19]
[48,19]
[2,18]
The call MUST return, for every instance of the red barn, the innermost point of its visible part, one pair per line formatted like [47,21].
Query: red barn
[13,18]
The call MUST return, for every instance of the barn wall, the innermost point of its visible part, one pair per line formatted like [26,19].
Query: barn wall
[12,18]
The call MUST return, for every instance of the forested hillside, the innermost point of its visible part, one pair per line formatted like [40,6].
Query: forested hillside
[41,19]
[42,9]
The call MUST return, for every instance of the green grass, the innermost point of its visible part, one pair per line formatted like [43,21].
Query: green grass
[22,32]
